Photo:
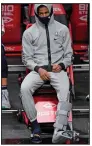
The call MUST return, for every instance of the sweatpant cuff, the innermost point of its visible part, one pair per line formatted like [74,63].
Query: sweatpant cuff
[33,119]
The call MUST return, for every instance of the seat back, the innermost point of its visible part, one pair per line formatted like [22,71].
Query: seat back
[11,14]
[60,14]
[79,22]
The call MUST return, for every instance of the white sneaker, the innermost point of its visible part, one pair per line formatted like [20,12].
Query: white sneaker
[87,97]
[5,99]
[61,136]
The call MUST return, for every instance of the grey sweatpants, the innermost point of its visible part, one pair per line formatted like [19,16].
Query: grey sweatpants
[32,81]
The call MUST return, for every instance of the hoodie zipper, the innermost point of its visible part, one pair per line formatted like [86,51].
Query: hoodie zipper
[48,46]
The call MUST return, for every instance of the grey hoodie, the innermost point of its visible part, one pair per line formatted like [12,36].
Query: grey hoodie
[34,43]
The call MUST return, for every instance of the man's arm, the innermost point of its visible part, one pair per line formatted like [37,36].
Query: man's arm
[27,51]
[68,51]
[27,57]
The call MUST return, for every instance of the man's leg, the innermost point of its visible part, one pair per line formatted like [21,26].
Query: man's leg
[4,75]
[60,82]
[5,95]
[31,82]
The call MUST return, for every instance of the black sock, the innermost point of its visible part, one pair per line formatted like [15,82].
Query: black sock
[35,127]
[4,87]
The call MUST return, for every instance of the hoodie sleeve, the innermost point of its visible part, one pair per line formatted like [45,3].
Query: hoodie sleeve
[27,51]
[68,52]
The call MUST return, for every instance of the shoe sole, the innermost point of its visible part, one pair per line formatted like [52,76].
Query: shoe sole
[60,138]
[36,142]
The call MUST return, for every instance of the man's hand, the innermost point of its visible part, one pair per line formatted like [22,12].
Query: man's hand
[43,74]
[56,68]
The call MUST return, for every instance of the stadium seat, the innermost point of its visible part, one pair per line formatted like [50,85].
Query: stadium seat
[79,24]
[11,14]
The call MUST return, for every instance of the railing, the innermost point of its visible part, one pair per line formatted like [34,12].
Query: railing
[73,110]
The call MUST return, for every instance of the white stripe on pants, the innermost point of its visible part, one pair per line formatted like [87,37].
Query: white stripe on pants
[32,82]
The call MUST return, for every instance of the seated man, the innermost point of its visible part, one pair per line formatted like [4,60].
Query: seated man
[47,53]
[4,74]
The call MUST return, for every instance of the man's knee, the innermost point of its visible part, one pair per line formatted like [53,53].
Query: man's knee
[26,88]
[63,93]
[64,82]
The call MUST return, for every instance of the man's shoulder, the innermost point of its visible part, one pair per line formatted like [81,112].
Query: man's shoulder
[30,29]
[60,24]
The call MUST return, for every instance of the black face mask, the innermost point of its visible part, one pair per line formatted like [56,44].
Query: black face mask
[44,20]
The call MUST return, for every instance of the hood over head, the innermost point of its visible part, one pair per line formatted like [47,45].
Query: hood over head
[49,6]
[44,20]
